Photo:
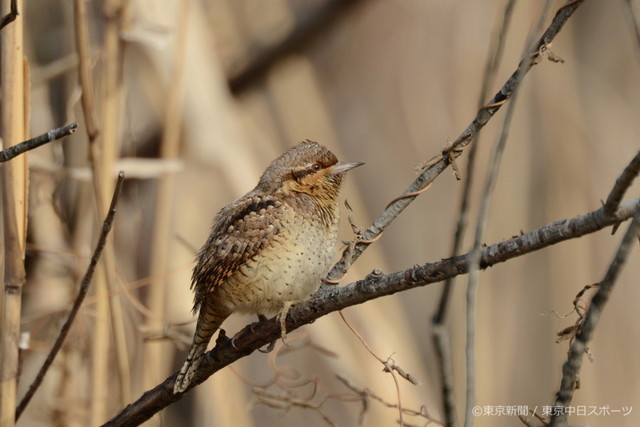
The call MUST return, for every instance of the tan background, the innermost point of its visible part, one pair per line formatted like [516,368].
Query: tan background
[388,83]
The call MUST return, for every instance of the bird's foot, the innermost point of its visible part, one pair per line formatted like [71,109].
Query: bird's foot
[272,344]
[261,318]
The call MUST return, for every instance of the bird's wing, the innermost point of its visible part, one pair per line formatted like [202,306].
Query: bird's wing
[240,231]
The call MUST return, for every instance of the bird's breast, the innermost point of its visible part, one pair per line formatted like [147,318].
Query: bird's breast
[287,269]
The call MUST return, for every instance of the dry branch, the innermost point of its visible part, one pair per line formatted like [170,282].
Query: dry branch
[623,182]
[11,16]
[82,293]
[571,368]
[375,285]
[435,168]
[328,300]
[30,144]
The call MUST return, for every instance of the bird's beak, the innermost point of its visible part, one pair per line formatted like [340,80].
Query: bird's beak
[345,166]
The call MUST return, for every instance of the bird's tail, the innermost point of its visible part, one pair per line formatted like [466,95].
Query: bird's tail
[209,321]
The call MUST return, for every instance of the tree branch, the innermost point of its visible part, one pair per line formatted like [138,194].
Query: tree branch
[571,368]
[30,144]
[623,182]
[11,16]
[375,285]
[441,162]
[82,293]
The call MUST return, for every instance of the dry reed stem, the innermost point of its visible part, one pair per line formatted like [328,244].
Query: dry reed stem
[105,154]
[102,154]
[98,365]
[84,67]
[14,199]
[155,353]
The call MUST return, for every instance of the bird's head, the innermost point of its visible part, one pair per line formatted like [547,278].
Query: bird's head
[308,168]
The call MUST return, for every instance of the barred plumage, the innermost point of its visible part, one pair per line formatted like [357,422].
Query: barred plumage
[270,248]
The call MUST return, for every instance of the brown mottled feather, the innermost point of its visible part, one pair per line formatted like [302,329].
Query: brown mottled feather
[240,231]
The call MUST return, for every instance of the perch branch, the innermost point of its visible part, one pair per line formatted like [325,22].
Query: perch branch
[375,285]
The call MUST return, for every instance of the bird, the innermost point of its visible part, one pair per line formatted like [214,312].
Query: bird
[270,248]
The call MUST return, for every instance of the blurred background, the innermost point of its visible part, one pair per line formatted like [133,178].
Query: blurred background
[193,99]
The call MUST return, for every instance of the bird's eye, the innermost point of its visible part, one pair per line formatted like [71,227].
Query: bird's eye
[315,166]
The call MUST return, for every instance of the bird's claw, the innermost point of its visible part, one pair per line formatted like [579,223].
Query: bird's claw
[269,348]
[261,318]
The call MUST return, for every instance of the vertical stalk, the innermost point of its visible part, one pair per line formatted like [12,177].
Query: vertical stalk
[155,352]
[103,152]
[14,199]
[112,103]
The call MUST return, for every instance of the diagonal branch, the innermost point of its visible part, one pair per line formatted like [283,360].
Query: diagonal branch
[82,293]
[375,285]
[571,368]
[623,182]
[30,144]
[11,16]
[441,162]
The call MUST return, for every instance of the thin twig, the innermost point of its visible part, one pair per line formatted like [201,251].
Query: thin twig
[82,293]
[363,394]
[481,226]
[385,363]
[11,16]
[622,184]
[429,174]
[30,144]
[440,335]
[571,367]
